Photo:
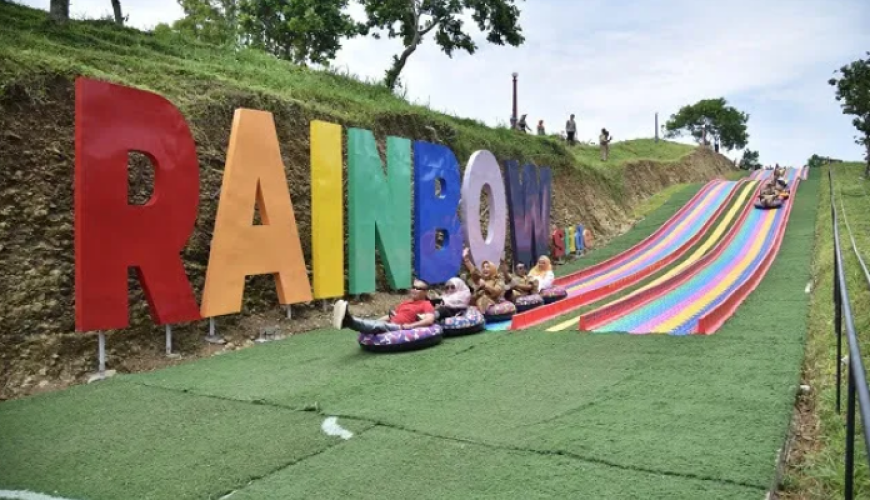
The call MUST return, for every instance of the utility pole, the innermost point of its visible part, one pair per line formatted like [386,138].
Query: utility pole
[657,127]
[514,113]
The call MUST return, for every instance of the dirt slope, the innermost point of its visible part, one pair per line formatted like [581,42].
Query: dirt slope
[38,347]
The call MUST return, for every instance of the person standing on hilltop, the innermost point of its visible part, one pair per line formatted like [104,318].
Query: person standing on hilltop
[571,129]
[604,143]
[522,126]
[541,130]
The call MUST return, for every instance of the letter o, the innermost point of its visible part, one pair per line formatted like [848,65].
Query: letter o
[483,173]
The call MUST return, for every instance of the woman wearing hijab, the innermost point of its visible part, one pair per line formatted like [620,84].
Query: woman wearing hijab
[543,273]
[486,284]
[455,299]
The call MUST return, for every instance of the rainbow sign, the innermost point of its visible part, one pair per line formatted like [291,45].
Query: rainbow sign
[111,235]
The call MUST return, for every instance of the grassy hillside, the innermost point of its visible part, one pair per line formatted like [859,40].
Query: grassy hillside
[190,74]
[39,61]
[816,465]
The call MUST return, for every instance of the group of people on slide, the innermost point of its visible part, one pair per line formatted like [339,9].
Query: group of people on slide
[775,191]
[484,287]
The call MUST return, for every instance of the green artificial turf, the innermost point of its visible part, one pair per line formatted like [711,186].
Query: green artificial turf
[116,440]
[495,415]
[386,463]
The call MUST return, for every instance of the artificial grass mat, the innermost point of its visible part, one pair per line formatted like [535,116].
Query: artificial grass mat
[498,415]
[116,439]
[388,463]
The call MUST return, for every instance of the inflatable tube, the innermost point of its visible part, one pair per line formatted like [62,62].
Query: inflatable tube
[527,302]
[553,294]
[502,311]
[761,206]
[401,340]
[472,321]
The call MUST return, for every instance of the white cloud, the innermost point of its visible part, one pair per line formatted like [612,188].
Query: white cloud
[615,64]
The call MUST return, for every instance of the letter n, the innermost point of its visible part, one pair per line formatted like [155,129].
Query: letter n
[379,211]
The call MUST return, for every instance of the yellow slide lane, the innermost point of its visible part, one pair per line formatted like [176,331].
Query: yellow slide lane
[716,235]
[698,304]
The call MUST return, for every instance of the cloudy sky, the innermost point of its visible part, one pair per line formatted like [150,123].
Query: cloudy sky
[616,63]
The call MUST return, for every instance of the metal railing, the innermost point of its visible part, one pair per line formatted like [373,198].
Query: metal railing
[857,383]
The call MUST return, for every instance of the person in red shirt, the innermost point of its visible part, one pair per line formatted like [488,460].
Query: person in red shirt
[414,313]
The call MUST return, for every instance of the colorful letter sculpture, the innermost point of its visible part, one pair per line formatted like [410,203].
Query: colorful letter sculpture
[379,211]
[112,235]
[558,243]
[529,199]
[570,246]
[435,167]
[482,173]
[578,237]
[327,210]
[254,174]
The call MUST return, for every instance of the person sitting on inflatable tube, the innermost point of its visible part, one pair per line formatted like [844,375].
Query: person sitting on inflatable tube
[522,290]
[486,284]
[519,284]
[542,273]
[414,313]
[454,301]
[768,197]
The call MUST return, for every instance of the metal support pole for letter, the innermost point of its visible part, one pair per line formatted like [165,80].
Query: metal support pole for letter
[657,128]
[212,334]
[168,340]
[289,312]
[102,354]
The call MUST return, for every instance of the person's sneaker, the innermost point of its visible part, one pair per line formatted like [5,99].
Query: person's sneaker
[339,311]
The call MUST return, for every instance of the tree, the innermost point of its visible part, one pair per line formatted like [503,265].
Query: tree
[412,20]
[59,10]
[750,160]
[116,8]
[853,92]
[211,21]
[297,30]
[711,117]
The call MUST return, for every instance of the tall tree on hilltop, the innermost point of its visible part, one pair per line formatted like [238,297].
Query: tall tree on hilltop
[749,161]
[710,117]
[214,22]
[59,10]
[116,8]
[412,20]
[853,92]
[297,30]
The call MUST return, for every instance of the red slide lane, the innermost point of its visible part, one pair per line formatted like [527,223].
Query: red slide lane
[714,318]
[541,314]
[609,312]
[622,257]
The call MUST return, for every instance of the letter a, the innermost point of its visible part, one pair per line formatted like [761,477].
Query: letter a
[110,234]
[254,173]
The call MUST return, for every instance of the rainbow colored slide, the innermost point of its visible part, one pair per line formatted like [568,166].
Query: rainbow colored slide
[700,297]
[660,249]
